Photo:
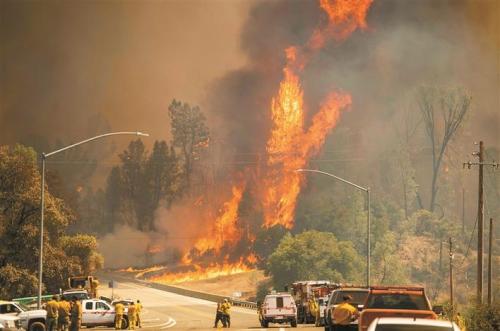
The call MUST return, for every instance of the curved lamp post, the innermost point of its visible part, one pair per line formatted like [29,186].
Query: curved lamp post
[44,156]
[368,230]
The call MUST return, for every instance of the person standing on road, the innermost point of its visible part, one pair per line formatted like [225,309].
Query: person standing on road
[219,316]
[132,316]
[226,306]
[344,314]
[138,309]
[63,320]
[76,314]
[52,308]
[119,310]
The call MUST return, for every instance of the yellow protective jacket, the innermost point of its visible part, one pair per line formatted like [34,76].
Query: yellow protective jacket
[52,309]
[344,313]
[225,307]
[64,309]
[119,309]
[132,311]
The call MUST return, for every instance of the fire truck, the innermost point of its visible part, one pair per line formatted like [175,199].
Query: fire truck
[305,291]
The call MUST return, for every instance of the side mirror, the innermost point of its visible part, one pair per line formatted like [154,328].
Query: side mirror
[438,309]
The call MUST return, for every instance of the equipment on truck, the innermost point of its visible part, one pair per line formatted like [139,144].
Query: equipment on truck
[87,283]
[305,291]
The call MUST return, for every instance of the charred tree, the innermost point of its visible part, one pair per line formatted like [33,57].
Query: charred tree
[443,111]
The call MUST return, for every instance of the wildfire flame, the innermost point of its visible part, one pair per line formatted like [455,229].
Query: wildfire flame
[206,272]
[224,230]
[289,147]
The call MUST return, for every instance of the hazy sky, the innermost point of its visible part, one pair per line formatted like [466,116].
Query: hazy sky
[63,61]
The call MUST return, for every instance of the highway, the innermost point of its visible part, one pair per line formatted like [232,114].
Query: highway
[168,311]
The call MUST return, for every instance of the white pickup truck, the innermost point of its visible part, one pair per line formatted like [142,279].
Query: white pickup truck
[278,308]
[31,320]
[100,313]
[9,323]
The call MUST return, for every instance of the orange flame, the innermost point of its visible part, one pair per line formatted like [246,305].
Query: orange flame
[200,273]
[224,230]
[289,146]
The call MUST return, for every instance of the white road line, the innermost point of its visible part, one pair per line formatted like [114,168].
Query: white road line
[170,324]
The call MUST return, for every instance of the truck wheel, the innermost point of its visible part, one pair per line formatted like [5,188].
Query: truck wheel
[37,326]
[264,323]
[124,323]
[293,323]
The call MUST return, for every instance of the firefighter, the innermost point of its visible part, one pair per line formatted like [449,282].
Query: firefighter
[119,309]
[138,309]
[52,308]
[76,314]
[132,316]
[219,316]
[226,307]
[63,311]
[93,287]
[344,314]
[460,322]
[313,308]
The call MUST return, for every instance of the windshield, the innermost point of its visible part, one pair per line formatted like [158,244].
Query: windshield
[358,297]
[22,306]
[395,327]
[397,301]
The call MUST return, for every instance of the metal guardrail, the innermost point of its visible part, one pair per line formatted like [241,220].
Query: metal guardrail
[198,294]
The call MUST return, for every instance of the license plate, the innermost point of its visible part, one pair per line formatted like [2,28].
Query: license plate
[279,317]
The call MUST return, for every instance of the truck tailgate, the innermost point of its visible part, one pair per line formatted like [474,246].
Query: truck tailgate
[368,315]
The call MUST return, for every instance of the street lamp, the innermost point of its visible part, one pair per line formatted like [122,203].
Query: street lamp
[368,225]
[44,156]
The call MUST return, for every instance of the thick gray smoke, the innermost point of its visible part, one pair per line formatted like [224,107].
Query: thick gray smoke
[407,43]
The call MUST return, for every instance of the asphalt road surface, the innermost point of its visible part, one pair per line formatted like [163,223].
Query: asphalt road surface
[168,311]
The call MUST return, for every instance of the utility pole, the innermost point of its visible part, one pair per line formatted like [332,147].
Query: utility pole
[440,258]
[480,219]
[451,278]
[490,271]
[480,226]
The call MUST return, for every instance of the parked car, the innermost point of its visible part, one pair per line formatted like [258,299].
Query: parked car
[31,320]
[411,324]
[97,312]
[395,301]
[10,323]
[358,294]
[278,308]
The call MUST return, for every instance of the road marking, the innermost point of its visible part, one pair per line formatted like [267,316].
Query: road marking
[171,323]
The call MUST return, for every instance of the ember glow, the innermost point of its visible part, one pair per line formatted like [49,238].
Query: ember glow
[289,147]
